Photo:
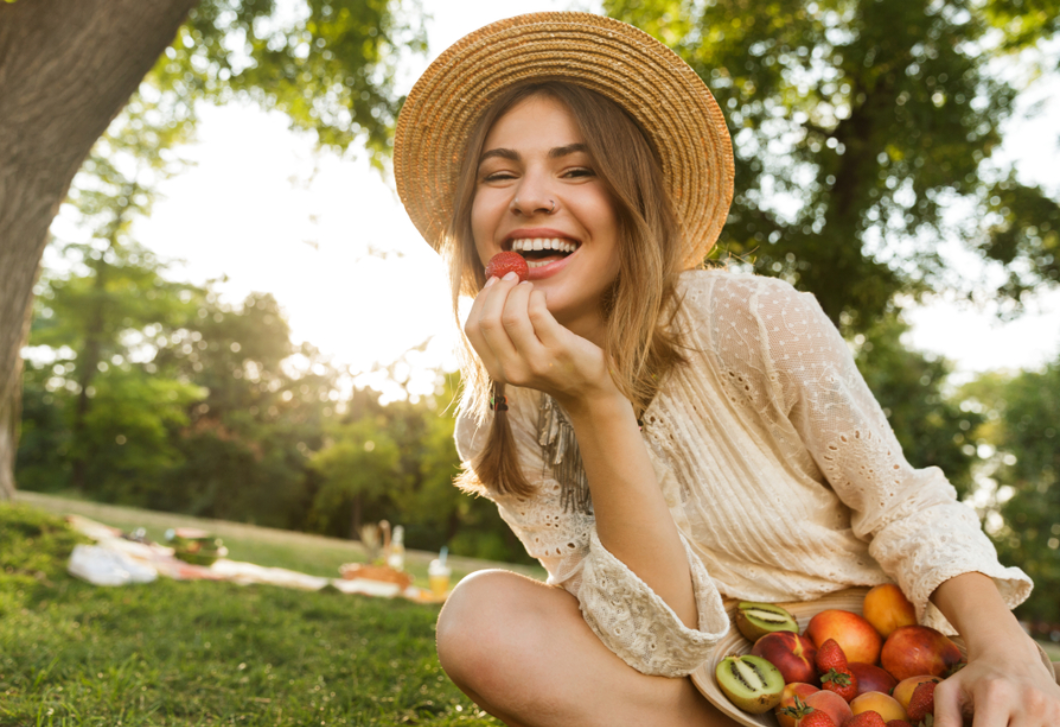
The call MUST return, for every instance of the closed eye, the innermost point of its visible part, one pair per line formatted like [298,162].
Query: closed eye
[581,172]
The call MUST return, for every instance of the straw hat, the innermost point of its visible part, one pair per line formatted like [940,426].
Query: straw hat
[660,91]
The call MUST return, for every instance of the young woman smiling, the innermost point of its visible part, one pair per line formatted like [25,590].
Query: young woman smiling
[660,436]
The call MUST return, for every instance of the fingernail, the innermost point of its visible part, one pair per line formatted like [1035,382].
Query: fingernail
[490,282]
[509,276]
[525,282]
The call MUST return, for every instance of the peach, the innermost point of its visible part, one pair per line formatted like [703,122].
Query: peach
[903,691]
[832,704]
[787,699]
[887,608]
[872,678]
[854,634]
[914,650]
[791,653]
[883,704]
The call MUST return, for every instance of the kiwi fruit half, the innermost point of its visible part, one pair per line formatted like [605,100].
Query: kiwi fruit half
[750,682]
[755,620]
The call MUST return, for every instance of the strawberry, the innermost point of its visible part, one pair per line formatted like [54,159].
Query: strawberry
[898,723]
[816,718]
[871,718]
[507,262]
[830,656]
[922,702]
[841,681]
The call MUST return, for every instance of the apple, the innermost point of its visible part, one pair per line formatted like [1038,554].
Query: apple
[791,653]
[887,608]
[872,678]
[915,650]
[886,706]
[856,636]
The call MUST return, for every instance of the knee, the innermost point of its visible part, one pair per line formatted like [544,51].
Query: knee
[483,628]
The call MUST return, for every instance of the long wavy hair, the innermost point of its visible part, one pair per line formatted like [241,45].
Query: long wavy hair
[639,340]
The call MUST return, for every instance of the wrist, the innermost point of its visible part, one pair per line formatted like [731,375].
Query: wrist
[595,403]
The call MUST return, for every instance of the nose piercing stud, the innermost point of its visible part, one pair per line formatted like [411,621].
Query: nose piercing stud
[553,206]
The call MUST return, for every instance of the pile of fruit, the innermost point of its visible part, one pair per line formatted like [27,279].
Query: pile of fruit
[845,670]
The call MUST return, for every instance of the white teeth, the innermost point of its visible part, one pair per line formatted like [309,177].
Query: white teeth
[524,244]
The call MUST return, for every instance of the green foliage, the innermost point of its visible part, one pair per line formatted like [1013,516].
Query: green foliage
[910,386]
[1022,421]
[193,653]
[857,124]
[328,64]
[1024,22]
[360,461]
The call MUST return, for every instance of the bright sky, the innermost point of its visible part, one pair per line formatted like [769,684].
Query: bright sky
[265,210]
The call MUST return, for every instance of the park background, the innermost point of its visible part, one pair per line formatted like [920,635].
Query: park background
[235,319]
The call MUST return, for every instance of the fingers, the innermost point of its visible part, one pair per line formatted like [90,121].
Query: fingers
[995,700]
[500,330]
[948,702]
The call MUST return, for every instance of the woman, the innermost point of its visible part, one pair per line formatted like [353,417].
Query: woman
[660,437]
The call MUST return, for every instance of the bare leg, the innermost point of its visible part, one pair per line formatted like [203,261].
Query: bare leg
[523,652]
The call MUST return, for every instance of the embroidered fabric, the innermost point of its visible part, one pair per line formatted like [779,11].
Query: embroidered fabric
[780,471]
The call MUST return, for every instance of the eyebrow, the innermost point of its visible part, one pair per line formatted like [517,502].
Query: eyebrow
[554,153]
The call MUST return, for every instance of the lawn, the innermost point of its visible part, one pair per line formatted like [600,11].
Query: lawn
[207,653]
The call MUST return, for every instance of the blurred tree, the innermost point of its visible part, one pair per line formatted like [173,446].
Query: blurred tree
[66,71]
[246,450]
[858,125]
[360,461]
[1021,421]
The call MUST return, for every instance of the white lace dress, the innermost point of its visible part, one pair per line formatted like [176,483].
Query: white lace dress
[779,469]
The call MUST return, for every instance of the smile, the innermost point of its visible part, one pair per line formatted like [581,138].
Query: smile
[540,251]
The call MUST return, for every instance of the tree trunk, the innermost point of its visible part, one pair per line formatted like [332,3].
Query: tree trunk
[66,70]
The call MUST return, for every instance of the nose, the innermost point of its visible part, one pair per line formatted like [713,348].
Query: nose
[532,196]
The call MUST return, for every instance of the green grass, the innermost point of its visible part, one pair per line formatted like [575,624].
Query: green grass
[207,653]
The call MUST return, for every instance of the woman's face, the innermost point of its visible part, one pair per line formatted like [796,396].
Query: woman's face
[537,193]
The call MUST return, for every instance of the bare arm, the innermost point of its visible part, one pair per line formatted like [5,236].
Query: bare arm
[632,519]
[1005,681]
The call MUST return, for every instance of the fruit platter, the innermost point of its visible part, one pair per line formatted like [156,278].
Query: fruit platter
[857,658]
[773,668]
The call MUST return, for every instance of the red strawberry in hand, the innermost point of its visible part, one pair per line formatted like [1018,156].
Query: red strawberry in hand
[507,262]
[870,718]
[922,702]
[841,681]
[830,656]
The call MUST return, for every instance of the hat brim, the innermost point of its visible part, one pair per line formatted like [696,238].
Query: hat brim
[653,84]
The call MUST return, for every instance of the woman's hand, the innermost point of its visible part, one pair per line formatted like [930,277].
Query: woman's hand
[521,343]
[1002,686]
[1005,683]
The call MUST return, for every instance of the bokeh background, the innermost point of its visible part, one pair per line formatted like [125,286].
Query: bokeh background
[235,319]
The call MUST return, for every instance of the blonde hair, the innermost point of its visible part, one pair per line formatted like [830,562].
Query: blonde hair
[641,344]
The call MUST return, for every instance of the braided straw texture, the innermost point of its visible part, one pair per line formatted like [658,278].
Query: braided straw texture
[659,90]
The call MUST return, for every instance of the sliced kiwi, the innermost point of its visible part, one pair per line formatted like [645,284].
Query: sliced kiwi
[750,682]
[755,620]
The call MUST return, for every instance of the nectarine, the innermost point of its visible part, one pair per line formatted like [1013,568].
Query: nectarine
[854,634]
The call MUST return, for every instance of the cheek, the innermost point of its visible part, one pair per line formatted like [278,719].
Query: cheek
[482,227]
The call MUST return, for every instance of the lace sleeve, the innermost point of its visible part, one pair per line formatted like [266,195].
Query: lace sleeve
[917,530]
[627,616]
